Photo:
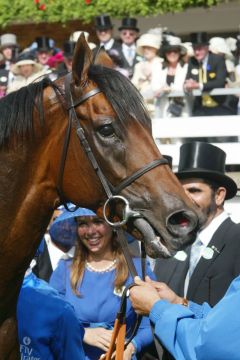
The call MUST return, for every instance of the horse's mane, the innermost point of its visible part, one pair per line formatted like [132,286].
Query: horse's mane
[16,109]
[121,93]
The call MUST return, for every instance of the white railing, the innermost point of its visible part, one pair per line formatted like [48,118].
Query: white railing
[169,133]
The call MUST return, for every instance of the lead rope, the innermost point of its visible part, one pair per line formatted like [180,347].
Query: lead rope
[118,343]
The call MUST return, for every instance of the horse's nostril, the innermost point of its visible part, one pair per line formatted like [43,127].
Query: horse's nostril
[179,218]
[181,222]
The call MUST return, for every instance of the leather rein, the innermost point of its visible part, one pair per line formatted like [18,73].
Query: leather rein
[111,191]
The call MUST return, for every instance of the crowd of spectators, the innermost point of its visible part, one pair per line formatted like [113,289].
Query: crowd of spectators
[157,62]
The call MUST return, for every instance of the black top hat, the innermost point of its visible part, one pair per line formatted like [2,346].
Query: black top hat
[199,38]
[205,161]
[43,43]
[103,22]
[68,48]
[129,23]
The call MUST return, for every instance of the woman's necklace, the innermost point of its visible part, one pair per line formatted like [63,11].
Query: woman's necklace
[102,270]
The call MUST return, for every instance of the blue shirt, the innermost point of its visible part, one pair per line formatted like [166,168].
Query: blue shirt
[99,302]
[47,325]
[199,331]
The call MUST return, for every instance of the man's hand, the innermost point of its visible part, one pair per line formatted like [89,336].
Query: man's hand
[146,294]
[164,292]
[98,337]
[190,85]
[143,296]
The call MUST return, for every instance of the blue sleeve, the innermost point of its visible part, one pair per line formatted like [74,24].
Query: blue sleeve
[200,332]
[144,335]
[177,329]
[58,277]
[67,343]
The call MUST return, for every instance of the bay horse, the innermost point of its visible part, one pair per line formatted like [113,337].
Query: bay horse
[33,126]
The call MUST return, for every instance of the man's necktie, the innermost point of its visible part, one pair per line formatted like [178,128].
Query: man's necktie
[200,73]
[130,56]
[194,255]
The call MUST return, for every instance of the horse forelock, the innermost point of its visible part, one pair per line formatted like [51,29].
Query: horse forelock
[124,98]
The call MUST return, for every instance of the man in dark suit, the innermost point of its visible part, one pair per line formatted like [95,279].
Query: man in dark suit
[104,31]
[204,271]
[217,255]
[129,32]
[207,71]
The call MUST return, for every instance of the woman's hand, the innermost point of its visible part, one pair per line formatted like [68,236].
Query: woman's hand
[130,349]
[163,90]
[98,337]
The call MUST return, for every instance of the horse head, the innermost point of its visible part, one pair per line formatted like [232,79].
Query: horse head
[117,129]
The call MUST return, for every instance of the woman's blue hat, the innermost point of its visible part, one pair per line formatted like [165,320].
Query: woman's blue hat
[72,214]
[63,230]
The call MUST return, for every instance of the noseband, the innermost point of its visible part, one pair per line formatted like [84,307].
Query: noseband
[111,191]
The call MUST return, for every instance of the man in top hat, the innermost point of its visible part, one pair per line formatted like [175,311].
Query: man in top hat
[202,272]
[44,50]
[104,31]
[207,71]
[66,65]
[129,32]
[202,173]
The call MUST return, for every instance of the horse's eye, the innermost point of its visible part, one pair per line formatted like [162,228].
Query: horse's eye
[106,130]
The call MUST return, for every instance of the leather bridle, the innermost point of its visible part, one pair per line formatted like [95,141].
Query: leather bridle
[110,190]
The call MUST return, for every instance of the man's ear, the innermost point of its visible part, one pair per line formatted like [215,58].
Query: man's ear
[220,196]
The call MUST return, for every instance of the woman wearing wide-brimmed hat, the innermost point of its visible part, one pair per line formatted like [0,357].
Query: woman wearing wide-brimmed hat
[93,281]
[147,46]
[171,77]
[26,70]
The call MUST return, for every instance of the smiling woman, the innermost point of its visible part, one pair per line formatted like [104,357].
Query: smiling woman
[93,282]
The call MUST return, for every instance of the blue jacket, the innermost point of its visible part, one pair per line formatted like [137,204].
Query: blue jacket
[47,325]
[199,331]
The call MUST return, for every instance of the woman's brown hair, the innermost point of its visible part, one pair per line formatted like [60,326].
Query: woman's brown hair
[80,258]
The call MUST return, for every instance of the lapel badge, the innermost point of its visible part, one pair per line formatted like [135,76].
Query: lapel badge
[180,255]
[212,75]
[208,253]
[195,71]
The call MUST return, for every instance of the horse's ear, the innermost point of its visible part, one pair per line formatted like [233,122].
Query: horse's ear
[82,59]
[102,58]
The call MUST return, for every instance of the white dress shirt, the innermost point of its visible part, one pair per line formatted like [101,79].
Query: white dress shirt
[107,45]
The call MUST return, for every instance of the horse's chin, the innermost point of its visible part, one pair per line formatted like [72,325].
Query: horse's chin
[154,245]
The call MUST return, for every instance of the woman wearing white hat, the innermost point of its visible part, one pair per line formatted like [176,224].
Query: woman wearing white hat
[26,70]
[147,46]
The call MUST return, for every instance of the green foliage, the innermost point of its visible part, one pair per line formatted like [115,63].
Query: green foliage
[13,11]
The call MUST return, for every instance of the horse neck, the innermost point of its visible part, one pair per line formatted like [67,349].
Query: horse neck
[25,212]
